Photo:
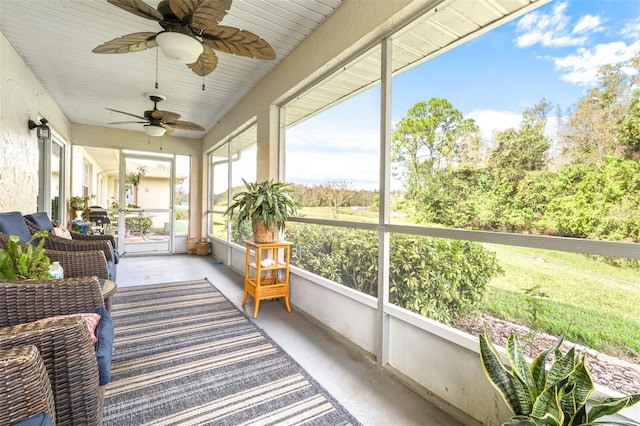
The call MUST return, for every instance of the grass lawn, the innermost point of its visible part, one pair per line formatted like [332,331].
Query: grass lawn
[599,304]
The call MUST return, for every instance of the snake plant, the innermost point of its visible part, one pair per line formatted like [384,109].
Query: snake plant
[556,396]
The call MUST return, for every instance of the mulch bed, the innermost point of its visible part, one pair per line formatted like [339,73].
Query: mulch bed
[620,375]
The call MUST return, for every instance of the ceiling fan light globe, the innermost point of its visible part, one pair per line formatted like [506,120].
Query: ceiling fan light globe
[180,47]
[152,130]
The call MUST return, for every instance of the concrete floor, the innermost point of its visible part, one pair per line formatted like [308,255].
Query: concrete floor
[369,393]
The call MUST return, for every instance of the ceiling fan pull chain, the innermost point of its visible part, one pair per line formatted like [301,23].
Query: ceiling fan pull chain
[157,69]
[203,78]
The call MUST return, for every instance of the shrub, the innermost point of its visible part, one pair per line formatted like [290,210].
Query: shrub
[437,278]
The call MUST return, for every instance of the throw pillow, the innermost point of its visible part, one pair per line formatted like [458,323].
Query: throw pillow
[90,319]
[60,231]
[104,347]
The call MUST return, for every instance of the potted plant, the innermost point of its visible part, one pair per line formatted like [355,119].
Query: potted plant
[133,181]
[25,261]
[80,204]
[556,396]
[267,205]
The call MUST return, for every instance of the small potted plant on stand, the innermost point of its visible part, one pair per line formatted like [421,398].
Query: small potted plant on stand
[267,205]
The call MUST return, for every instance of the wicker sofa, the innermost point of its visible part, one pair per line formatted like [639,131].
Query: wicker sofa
[64,344]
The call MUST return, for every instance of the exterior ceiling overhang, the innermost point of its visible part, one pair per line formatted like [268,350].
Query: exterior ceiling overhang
[446,25]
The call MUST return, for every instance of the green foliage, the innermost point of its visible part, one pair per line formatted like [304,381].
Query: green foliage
[522,150]
[537,396]
[432,135]
[597,200]
[270,201]
[134,178]
[629,125]
[142,223]
[433,277]
[437,278]
[25,261]
[346,256]
[78,203]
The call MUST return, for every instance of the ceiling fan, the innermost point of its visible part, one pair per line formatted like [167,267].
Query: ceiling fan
[190,33]
[157,122]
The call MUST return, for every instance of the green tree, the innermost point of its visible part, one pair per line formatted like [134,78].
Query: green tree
[594,125]
[629,127]
[523,150]
[429,138]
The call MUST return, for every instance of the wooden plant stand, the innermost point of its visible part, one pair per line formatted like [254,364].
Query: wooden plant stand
[267,272]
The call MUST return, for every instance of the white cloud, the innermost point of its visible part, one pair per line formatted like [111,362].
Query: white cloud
[552,29]
[588,23]
[312,149]
[631,29]
[582,67]
[491,121]
[549,30]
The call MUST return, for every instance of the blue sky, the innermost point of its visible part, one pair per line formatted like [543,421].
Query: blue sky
[553,52]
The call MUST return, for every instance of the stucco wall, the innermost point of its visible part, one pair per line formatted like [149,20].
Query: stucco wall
[23,98]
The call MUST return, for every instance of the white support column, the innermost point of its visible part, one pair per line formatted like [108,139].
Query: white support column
[382,357]
[268,151]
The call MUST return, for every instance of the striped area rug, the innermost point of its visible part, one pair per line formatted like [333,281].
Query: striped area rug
[185,355]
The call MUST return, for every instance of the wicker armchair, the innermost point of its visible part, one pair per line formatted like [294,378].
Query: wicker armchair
[75,263]
[41,221]
[54,242]
[27,389]
[64,344]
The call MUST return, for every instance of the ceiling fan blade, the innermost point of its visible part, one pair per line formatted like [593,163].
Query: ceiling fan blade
[210,12]
[129,122]
[127,113]
[167,117]
[138,7]
[207,62]
[170,129]
[238,42]
[187,125]
[135,42]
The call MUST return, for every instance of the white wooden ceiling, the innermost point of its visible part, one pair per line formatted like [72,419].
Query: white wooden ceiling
[55,39]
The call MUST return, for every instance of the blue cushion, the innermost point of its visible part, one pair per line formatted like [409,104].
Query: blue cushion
[116,255]
[43,419]
[111,269]
[41,220]
[104,345]
[12,223]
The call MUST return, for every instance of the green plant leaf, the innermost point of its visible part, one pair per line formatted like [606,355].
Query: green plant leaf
[547,408]
[539,365]
[513,391]
[577,390]
[561,368]
[611,406]
[520,365]
[520,421]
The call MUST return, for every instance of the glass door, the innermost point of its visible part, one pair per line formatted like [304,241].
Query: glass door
[146,203]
